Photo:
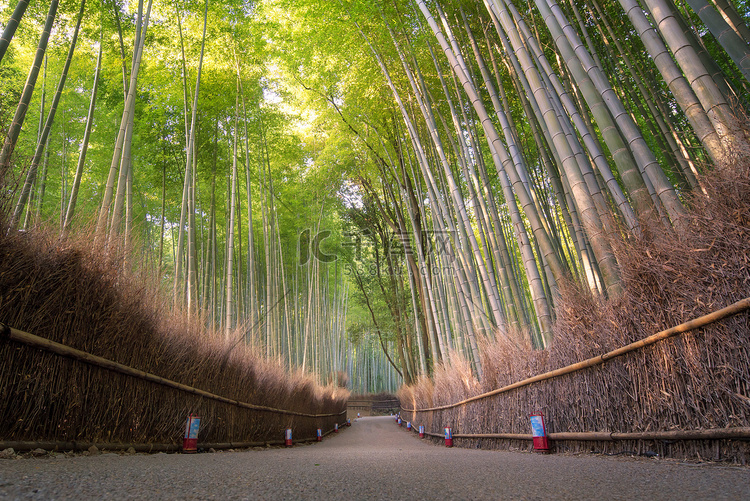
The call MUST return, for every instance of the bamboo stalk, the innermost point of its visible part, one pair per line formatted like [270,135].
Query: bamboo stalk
[696,323]
[33,341]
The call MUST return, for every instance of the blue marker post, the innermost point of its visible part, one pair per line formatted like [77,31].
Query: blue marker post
[190,441]
[539,432]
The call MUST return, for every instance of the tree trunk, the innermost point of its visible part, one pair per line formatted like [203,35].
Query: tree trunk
[736,47]
[188,181]
[704,86]
[28,89]
[85,146]
[31,174]
[124,123]
[228,324]
[10,27]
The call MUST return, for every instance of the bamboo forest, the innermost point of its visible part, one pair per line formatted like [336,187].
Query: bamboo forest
[388,194]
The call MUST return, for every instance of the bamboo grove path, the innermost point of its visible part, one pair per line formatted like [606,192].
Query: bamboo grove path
[374,459]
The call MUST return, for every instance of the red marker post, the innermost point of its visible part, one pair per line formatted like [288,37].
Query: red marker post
[335,427]
[448,437]
[539,432]
[288,437]
[190,441]
[319,435]
[408,425]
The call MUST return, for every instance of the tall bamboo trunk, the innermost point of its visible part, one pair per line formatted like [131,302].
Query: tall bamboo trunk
[31,174]
[188,184]
[229,320]
[737,48]
[711,98]
[85,146]
[125,121]
[589,213]
[251,266]
[28,89]
[11,25]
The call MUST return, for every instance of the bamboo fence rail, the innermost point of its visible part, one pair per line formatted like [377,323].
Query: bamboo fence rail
[605,436]
[83,446]
[696,323]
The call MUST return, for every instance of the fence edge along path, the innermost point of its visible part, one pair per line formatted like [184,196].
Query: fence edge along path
[740,433]
[9,333]
[696,323]
[52,445]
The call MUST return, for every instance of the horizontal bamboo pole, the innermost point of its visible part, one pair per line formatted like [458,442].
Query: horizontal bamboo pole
[739,433]
[7,332]
[582,436]
[730,310]
[508,436]
[84,446]
[712,434]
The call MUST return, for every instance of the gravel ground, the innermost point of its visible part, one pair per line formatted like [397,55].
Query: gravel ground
[374,459]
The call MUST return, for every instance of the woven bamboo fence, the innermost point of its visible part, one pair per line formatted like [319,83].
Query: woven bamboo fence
[224,418]
[691,383]
[94,358]
[599,403]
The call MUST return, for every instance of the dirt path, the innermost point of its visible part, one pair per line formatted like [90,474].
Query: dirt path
[374,459]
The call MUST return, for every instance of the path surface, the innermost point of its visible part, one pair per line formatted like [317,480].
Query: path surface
[374,459]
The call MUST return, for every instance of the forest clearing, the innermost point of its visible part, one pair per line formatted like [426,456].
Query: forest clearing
[251,211]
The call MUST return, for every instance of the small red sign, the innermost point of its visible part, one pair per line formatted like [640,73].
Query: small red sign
[190,440]
[288,437]
[539,432]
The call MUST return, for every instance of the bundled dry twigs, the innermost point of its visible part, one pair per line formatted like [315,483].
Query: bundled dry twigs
[699,380]
[65,291]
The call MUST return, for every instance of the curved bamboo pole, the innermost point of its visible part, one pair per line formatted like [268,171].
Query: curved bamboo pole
[696,323]
[9,333]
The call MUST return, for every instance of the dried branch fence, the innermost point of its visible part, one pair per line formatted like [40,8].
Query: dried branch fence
[457,415]
[312,421]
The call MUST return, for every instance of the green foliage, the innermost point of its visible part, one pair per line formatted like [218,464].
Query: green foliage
[326,150]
